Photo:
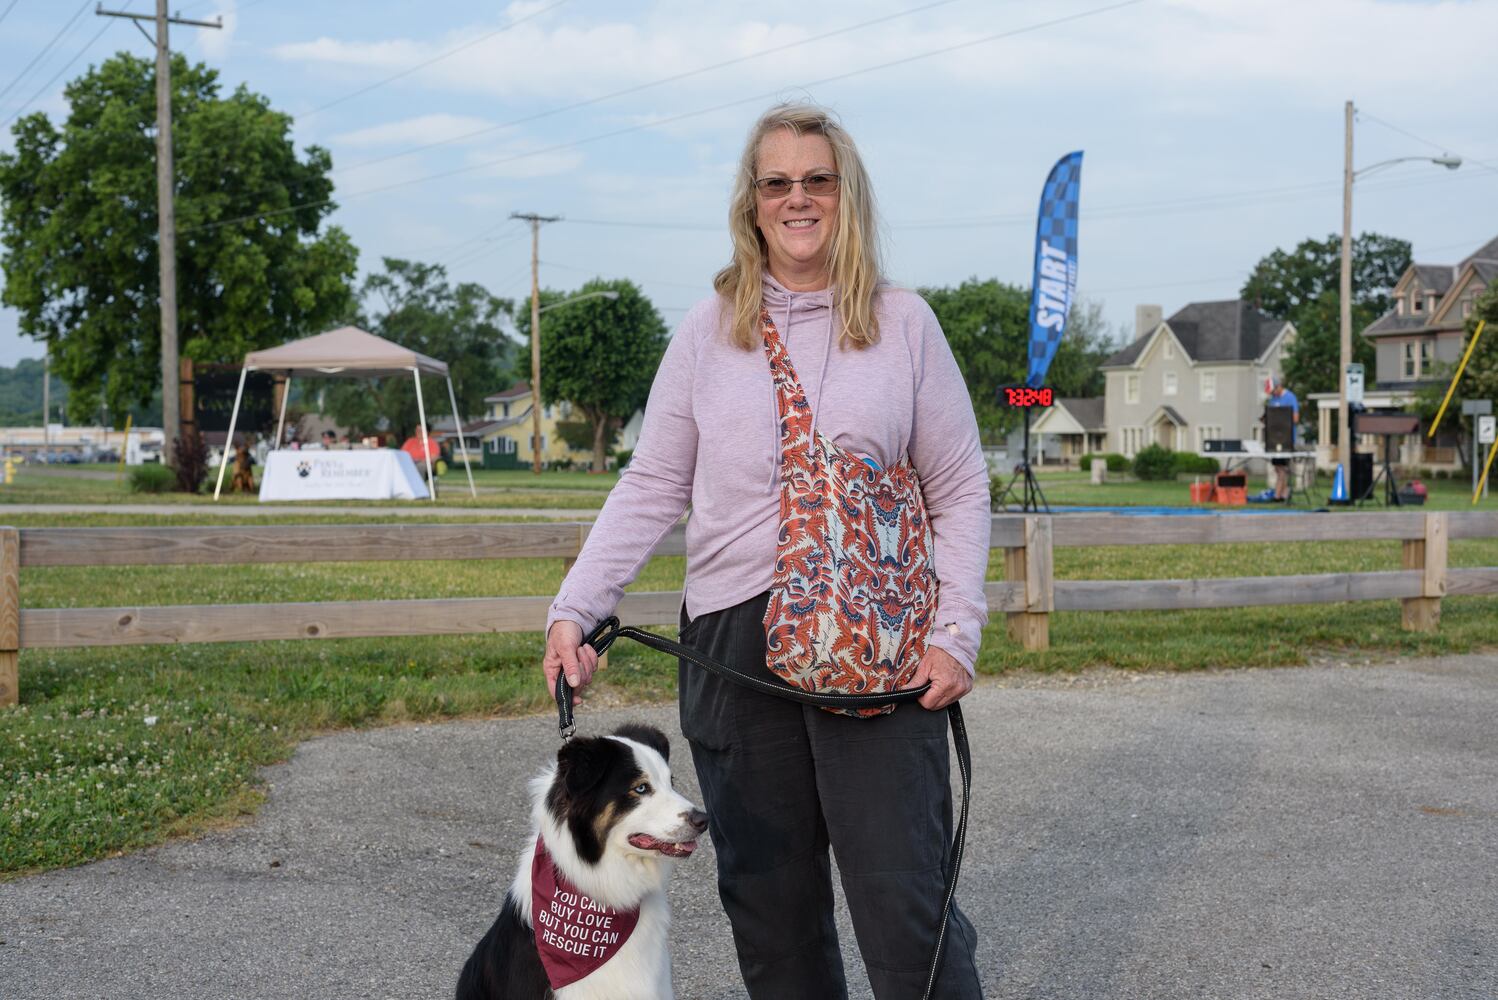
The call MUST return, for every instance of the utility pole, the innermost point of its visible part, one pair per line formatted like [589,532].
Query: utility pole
[1344,430]
[535,221]
[166,215]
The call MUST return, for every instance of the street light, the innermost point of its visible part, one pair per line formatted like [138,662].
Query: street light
[1344,433]
[536,369]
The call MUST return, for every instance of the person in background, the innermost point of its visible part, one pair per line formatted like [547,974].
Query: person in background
[784,782]
[1279,396]
[329,440]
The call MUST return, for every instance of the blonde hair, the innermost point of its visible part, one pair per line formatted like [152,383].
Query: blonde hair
[853,264]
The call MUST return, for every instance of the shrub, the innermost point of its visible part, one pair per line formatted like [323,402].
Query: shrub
[622,457]
[192,462]
[152,478]
[1116,462]
[1155,462]
[1191,464]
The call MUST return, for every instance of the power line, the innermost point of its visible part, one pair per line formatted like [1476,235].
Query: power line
[45,49]
[1410,135]
[674,78]
[48,85]
[672,119]
[9,9]
[1172,206]
[423,65]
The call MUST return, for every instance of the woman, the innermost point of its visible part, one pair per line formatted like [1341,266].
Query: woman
[782,782]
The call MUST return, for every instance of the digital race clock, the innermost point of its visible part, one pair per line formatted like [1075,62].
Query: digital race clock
[1024,396]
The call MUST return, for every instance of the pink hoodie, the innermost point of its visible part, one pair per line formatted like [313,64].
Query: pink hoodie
[711,439]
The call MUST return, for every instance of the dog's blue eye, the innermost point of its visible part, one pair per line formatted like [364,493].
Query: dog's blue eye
[643,788]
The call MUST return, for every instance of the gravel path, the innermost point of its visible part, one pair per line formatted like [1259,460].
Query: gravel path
[1322,832]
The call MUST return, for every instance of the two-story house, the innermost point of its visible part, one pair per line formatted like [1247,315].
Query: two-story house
[504,435]
[1198,375]
[1417,344]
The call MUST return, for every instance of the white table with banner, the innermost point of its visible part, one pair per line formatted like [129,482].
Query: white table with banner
[359,474]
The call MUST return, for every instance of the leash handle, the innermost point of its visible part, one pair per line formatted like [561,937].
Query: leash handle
[601,638]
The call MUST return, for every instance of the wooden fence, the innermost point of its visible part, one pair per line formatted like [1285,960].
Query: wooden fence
[1028,595]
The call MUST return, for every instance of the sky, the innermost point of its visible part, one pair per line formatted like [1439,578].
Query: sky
[1212,130]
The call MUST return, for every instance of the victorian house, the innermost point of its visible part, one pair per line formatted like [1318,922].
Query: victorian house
[1418,344]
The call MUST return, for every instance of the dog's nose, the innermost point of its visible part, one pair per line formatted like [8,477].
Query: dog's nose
[698,819]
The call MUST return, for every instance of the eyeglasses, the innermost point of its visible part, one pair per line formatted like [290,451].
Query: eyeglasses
[779,187]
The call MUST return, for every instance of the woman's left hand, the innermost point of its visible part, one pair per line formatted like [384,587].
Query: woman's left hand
[949,679]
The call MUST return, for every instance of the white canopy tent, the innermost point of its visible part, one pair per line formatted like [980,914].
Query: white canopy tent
[347,352]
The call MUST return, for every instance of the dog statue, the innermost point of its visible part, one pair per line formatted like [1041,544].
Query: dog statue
[586,916]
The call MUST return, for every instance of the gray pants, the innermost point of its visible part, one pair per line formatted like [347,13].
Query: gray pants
[781,783]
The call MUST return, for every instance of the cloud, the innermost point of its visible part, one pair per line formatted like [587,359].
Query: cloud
[215,42]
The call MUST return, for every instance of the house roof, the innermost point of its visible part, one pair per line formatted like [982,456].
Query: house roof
[1439,278]
[1436,277]
[1392,322]
[1230,330]
[1169,413]
[1488,251]
[1088,412]
[519,389]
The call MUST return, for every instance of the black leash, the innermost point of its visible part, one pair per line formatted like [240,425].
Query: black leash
[603,636]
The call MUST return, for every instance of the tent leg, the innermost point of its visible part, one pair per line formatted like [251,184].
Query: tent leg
[229,441]
[281,421]
[426,449]
[463,447]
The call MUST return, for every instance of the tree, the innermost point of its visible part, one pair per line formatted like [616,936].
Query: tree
[600,355]
[418,309]
[987,324]
[1303,286]
[79,231]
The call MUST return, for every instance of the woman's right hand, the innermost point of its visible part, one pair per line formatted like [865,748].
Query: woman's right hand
[565,654]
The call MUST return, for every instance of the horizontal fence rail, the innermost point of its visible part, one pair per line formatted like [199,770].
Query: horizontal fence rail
[1027,596]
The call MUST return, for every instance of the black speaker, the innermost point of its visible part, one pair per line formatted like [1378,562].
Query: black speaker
[1362,475]
[1279,429]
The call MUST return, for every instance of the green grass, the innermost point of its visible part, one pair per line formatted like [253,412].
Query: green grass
[84,774]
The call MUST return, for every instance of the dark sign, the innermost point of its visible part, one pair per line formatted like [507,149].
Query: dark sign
[214,389]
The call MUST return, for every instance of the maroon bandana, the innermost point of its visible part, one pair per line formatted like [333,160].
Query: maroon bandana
[574,934]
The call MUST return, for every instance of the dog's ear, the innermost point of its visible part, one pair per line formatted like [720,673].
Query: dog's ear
[582,763]
[648,735]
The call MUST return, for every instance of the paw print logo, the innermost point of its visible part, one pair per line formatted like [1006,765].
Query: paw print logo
[304,469]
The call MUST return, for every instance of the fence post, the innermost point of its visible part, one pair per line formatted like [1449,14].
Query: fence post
[1032,565]
[1423,613]
[10,616]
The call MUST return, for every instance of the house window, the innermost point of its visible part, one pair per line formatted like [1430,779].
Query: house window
[1170,383]
[1131,388]
[1415,303]
[1427,360]
[1205,433]
[1409,369]
[1209,387]
[1466,307]
[1170,351]
[505,407]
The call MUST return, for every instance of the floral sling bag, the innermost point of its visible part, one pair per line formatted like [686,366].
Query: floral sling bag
[854,589]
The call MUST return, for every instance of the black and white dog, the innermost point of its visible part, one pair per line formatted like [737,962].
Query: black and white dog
[586,917]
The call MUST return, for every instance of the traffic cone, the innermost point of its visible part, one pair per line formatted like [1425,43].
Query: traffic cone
[1339,486]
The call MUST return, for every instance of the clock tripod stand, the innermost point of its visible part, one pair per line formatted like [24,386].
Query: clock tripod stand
[1022,487]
